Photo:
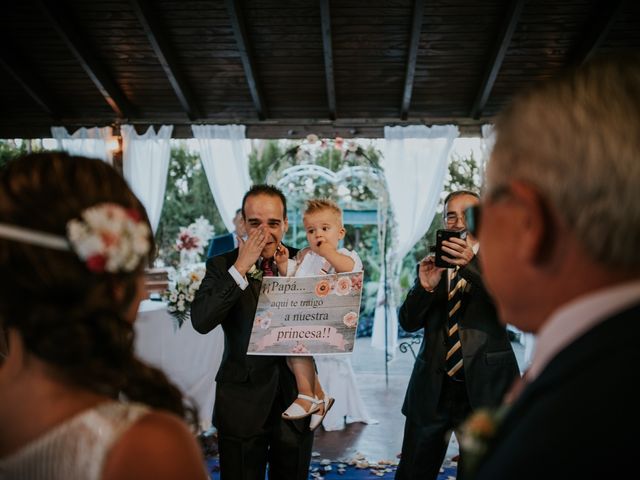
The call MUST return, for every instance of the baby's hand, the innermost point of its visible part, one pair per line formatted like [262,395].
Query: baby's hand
[282,258]
[324,249]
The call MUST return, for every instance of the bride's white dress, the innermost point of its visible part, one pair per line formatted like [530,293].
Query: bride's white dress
[75,449]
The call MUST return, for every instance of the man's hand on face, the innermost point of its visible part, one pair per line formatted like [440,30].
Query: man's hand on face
[428,274]
[458,251]
[249,250]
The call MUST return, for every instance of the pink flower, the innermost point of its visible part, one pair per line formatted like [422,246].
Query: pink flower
[265,323]
[109,239]
[96,263]
[299,348]
[187,241]
[323,287]
[350,319]
[343,286]
[134,214]
[356,283]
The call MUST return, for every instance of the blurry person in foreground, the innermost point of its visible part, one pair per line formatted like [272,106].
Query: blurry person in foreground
[560,233]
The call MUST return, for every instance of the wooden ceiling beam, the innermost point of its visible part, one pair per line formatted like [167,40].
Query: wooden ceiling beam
[294,128]
[57,13]
[248,64]
[327,46]
[416,28]
[497,57]
[12,62]
[152,26]
[604,15]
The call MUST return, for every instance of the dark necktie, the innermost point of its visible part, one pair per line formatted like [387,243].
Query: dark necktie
[454,349]
[266,267]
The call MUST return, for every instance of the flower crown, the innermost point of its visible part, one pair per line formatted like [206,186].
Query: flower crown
[107,237]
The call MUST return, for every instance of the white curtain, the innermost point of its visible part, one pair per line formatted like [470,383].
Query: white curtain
[86,142]
[145,163]
[224,152]
[486,145]
[415,165]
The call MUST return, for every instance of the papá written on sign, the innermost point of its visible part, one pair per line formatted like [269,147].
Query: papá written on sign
[307,315]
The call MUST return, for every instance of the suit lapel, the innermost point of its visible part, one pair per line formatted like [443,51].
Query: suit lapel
[594,344]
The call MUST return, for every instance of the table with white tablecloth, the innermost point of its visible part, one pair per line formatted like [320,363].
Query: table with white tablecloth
[190,359]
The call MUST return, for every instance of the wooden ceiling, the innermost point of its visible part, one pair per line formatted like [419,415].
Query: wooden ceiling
[286,68]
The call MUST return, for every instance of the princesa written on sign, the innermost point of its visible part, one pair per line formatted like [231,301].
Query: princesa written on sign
[307,315]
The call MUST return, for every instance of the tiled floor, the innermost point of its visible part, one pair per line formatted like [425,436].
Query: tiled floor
[383,397]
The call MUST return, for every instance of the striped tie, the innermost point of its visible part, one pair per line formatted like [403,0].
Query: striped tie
[454,349]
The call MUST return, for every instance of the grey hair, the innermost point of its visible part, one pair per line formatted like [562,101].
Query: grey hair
[576,138]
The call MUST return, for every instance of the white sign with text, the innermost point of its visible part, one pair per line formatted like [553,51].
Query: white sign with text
[307,315]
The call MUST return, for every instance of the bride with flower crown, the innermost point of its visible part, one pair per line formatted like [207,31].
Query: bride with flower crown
[75,402]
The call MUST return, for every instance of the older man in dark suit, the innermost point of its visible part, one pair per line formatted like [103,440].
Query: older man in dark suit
[466,360]
[560,238]
[252,391]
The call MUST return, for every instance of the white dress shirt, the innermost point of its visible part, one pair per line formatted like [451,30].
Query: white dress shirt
[577,317]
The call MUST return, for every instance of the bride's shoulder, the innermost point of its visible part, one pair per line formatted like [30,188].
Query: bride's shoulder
[160,446]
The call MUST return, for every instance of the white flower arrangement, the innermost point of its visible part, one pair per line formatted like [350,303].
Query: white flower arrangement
[183,284]
[109,237]
[195,237]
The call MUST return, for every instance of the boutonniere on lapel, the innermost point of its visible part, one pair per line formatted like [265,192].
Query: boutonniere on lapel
[255,273]
[477,434]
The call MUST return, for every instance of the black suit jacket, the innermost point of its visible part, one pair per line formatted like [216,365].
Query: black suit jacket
[579,418]
[221,244]
[489,362]
[248,386]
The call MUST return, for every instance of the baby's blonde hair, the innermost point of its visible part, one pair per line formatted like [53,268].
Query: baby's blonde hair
[323,204]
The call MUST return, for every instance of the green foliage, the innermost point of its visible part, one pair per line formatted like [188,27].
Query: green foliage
[187,197]
[464,174]
[261,160]
[9,150]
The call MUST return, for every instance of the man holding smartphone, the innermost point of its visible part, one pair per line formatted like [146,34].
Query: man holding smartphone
[465,361]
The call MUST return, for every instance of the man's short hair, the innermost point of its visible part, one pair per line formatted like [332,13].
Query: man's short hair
[458,193]
[264,189]
[576,140]
[322,204]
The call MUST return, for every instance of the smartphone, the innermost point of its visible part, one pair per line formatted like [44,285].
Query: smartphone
[446,235]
